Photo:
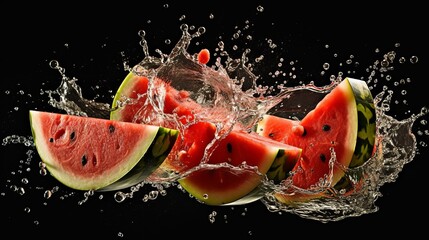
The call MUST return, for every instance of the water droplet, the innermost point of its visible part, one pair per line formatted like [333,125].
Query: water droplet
[153,195]
[54,64]
[47,194]
[414,59]
[326,66]
[119,196]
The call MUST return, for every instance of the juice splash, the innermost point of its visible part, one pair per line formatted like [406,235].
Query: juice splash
[398,144]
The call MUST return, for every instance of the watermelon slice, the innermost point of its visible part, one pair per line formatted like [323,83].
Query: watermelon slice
[131,103]
[219,181]
[235,167]
[343,121]
[97,154]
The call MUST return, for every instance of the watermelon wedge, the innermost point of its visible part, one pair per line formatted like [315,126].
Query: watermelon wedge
[235,167]
[96,154]
[343,123]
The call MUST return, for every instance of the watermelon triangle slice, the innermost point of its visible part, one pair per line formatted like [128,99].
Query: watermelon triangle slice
[342,127]
[97,154]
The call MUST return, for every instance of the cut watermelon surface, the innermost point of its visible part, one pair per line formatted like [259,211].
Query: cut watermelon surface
[343,123]
[97,154]
[248,157]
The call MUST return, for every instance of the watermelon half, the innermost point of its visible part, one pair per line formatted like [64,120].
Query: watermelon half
[343,123]
[97,154]
[219,181]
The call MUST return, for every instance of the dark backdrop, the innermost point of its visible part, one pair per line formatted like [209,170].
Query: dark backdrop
[91,44]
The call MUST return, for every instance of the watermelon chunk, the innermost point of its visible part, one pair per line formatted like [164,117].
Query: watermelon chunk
[96,154]
[343,123]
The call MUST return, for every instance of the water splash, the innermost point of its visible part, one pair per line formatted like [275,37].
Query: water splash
[231,87]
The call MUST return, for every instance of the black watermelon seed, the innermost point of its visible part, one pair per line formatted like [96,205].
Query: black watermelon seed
[229,147]
[111,128]
[84,160]
[304,133]
[51,140]
[271,135]
[72,135]
[322,157]
[326,128]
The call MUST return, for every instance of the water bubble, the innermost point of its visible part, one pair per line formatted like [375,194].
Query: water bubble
[21,191]
[326,66]
[326,46]
[120,234]
[54,64]
[211,16]
[47,194]
[384,63]
[182,18]
[260,8]
[414,59]
[167,41]
[402,60]
[153,195]
[27,209]
[212,216]
[165,5]
[141,33]
[120,196]
[24,180]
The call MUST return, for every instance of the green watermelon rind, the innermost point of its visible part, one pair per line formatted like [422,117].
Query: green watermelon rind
[252,190]
[153,158]
[77,182]
[366,123]
[124,90]
[365,137]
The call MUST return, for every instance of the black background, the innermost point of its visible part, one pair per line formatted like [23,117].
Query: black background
[88,41]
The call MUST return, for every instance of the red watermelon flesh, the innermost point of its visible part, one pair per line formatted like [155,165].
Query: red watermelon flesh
[139,110]
[97,154]
[344,121]
[217,185]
